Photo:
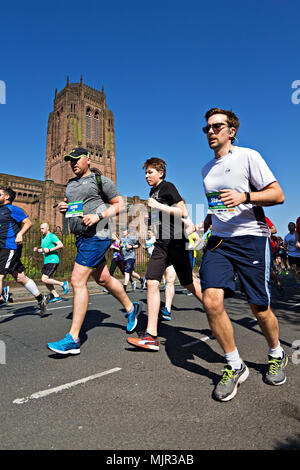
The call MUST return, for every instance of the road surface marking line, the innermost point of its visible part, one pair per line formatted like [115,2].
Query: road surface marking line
[205,338]
[44,393]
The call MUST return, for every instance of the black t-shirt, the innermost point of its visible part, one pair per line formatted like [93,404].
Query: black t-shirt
[165,226]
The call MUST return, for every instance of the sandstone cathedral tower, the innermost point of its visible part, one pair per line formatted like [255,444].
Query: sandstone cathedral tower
[80,118]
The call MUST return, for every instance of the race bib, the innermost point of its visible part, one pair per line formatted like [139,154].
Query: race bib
[75,209]
[215,204]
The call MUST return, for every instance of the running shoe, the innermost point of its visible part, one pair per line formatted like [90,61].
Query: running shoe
[5,293]
[55,300]
[132,317]
[67,345]
[143,283]
[276,374]
[65,287]
[231,379]
[133,285]
[2,303]
[43,303]
[164,314]
[145,341]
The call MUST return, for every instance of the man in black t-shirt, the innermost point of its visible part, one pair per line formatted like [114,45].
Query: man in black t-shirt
[169,216]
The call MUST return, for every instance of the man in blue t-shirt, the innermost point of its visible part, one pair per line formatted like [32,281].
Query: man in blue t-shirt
[14,223]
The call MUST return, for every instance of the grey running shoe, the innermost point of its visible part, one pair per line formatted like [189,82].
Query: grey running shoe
[133,285]
[276,374]
[231,379]
[43,304]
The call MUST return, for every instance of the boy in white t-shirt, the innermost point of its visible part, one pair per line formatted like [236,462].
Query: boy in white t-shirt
[238,183]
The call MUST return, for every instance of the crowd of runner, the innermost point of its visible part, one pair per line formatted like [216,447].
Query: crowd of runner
[239,243]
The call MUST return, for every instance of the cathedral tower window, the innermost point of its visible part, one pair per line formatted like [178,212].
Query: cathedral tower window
[88,123]
[96,126]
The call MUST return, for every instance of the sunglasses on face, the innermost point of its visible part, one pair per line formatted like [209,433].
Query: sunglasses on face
[215,127]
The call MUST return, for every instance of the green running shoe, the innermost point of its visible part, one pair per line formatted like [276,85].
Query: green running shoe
[231,379]
[276,374]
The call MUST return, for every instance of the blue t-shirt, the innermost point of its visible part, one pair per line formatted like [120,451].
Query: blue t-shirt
[10,224]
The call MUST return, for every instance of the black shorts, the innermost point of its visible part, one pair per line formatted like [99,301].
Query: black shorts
[294,260]
[49,268]
[175,254]
[10,261]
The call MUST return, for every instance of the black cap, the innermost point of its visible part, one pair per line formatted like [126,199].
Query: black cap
[77,153]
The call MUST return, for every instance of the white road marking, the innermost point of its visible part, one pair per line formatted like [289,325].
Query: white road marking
[205,338]
[44,393]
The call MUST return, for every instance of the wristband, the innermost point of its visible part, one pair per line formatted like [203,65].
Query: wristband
[248,201]
[43,251]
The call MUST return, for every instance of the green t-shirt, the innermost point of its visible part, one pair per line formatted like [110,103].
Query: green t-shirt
[49,241]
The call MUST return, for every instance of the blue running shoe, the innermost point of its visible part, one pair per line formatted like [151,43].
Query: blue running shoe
[5,293]
[65,287]
[67,345]
[164,314]
[132,317]
[55,299]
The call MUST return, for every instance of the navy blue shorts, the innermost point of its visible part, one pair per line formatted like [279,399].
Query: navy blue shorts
[247,256]
[91,251]
[129,265]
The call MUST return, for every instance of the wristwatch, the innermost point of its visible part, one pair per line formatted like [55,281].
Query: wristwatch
[248,201]
[100,216]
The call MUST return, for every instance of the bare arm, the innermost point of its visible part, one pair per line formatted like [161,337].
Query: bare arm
[271,195]
[116,206]
[26,224]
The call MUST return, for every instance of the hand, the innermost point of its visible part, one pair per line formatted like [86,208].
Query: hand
[129,247]
[153,203]
[188,225]
[63,206]
[35,248]
[232,198]
[90,219]
[19,239]
[200,228]
[298,245]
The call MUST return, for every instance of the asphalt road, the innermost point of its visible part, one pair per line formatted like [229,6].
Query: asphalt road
[114,397]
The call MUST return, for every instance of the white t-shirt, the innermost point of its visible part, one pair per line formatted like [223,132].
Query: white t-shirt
[290,241]
[242,170]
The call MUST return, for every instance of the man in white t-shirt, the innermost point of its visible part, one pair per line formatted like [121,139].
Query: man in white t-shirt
[293,252]
[238,183]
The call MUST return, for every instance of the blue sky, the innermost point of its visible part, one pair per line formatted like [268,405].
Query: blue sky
[163,64]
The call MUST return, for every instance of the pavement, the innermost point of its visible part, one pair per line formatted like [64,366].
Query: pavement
[116,398]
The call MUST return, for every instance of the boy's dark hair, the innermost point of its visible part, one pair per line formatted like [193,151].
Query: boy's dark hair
[232,119]
[9,192]
[157,163]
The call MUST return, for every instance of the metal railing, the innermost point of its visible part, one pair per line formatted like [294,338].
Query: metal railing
[33,261]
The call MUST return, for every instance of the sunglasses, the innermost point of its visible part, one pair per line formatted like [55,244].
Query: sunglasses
[215,127]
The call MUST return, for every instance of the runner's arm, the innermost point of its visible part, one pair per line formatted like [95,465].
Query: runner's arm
[270,195]
[26,224]
[116,205]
